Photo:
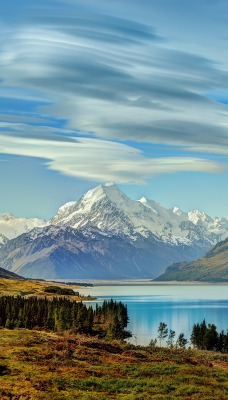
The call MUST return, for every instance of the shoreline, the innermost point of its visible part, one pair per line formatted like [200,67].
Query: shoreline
[137,282]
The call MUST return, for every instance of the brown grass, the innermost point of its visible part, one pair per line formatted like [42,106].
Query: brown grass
[37,365]
[28,288]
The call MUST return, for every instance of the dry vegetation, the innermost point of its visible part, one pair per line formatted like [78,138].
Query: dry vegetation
[37,365]
[28,288]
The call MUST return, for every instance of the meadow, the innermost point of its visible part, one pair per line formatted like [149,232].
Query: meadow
[38,365]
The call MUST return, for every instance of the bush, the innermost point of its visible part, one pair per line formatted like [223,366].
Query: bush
[59,290]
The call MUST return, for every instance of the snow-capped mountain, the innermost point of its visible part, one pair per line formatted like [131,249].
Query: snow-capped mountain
[65,252]
[11,226]
[110,210]
[107,235]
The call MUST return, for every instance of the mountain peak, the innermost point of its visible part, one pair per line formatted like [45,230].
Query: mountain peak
[196,215]
[177,211]
[109,190]
[7,216]
[143,200]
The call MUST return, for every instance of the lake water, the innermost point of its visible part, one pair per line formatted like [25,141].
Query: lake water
[179,306]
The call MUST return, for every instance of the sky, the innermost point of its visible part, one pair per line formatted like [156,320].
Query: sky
[134,92]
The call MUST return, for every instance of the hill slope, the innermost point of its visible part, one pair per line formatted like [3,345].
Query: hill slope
[41,365]
[9,275]
[211,268]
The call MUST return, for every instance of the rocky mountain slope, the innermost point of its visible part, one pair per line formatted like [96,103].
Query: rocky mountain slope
[66,252]
[3,240]
[213,267]
[107,235]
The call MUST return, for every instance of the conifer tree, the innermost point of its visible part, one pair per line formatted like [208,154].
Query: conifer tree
[211,337]
[181,341]
[60,314]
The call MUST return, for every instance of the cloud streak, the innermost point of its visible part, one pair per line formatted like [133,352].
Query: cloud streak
[116,79]
[102,160]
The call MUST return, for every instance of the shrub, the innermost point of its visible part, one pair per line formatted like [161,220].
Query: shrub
[59,290]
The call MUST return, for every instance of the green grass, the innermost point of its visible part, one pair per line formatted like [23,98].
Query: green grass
[39,365]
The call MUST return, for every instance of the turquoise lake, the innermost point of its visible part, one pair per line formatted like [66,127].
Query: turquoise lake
[179,306]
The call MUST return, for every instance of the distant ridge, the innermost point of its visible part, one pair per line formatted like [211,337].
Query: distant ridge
[211,268]
[9,275]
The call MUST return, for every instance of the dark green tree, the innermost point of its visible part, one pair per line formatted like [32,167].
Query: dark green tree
[198,335]
[211,338]
[116,330]
[181,341]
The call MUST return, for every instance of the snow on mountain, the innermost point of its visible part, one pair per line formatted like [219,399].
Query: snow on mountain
[177,211]
[194,227]
[11,226]
[63,212]
[65,252]
[108,209]
[3,240]
[195,216]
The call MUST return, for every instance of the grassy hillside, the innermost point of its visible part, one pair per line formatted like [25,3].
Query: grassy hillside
[28,288]
[211,268]
[41,366]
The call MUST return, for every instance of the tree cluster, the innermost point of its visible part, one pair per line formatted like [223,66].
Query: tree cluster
[164,333]
[116,325]
[61,314]
[61,291]
[203,337]
[206,337]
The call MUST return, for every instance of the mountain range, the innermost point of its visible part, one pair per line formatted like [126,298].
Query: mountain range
[11,226]
[106,235]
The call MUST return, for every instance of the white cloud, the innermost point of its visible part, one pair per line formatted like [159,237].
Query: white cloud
[101,160]
[207,150]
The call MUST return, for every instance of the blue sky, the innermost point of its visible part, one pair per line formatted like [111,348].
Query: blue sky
[125,91]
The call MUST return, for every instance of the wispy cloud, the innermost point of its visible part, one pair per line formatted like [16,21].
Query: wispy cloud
[102,160]
[118,79]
